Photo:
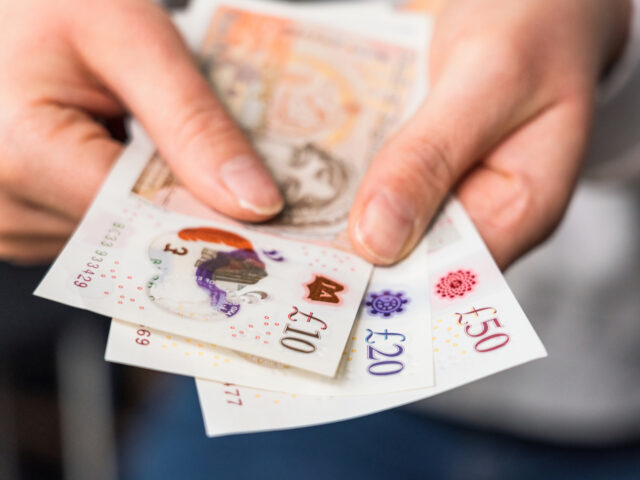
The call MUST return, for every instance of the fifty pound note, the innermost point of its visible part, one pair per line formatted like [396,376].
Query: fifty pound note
[278,299]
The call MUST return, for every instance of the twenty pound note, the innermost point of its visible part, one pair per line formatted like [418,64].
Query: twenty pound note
[275,298]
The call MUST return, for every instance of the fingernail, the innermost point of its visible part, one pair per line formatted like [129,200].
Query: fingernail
[385,226]
[252,186]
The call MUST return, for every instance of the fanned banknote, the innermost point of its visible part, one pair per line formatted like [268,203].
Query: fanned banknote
[479,330]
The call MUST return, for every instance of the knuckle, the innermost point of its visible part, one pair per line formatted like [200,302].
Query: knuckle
[12,133]
[9,224]
[510,218]
[509,63]
[205,123]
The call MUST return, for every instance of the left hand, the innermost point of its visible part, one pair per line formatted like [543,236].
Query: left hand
[505,125]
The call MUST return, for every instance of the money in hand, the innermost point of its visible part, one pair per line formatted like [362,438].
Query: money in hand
[264,315]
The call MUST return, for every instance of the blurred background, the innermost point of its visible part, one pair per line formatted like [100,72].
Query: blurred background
[66,413]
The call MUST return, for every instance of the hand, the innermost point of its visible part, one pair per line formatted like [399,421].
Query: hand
[66,66]
[505,125]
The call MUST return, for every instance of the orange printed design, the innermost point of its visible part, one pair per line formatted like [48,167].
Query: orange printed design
[213,235]
[324,290]
[317,104]
[250,33]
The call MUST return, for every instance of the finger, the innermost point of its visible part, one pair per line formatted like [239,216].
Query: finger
[456,126]
[30,251]
[148,65]
[20,218]
[519,194]
[59,159]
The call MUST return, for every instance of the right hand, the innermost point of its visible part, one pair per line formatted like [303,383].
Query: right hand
[66,65]
[505,125]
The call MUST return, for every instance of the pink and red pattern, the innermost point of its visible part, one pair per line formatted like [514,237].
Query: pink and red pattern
[456,284]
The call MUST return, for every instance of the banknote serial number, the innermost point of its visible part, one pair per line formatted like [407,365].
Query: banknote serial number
[487,332]
[86,276]
[143,336]
[301,339]
[232,395]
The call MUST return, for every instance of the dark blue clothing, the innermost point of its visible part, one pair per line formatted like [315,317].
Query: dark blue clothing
[167,441]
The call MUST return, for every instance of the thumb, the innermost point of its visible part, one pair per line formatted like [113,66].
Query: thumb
[146,63]
[415,170]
